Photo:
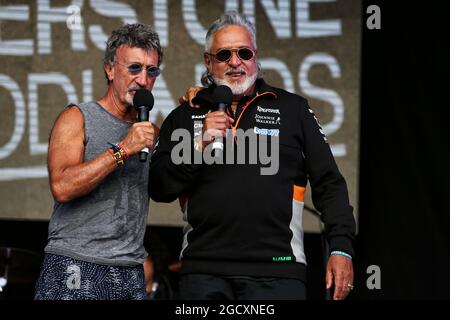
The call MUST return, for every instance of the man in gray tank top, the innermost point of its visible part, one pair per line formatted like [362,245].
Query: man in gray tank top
[95,238]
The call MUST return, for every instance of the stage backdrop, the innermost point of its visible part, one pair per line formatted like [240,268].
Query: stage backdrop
[51,53]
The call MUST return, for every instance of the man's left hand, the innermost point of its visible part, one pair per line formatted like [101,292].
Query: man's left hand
[189,95]
[339,273]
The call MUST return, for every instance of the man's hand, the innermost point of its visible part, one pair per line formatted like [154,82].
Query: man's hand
[189,95]
[215,124]
[141,135]
[340,273]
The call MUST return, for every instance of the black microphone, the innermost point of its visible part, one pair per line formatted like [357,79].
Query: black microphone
[222,96]
[143,102]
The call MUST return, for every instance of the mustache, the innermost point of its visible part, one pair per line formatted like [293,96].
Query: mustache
[234,70]
[135,88]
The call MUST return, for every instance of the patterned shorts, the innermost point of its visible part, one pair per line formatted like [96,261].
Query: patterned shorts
[64,278]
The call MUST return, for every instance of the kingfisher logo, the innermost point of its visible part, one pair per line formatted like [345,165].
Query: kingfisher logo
[268,110]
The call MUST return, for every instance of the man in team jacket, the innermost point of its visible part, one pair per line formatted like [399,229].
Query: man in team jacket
[244,235]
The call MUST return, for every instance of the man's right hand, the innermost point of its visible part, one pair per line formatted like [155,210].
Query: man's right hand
[215,124]
[141,135]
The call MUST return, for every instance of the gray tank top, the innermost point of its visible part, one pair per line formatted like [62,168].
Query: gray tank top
[107,225]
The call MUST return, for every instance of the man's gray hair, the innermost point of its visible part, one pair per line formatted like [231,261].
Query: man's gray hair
[132,35]
[227,19]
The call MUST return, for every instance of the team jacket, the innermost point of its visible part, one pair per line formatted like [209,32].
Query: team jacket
[240,221]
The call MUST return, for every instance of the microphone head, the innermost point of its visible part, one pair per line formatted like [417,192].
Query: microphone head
[143,97]
[222,94]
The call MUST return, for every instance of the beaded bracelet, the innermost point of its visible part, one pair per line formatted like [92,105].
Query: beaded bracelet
[119,153]
[341,253]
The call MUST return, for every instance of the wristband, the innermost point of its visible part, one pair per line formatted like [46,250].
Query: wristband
[119,154]
[340,253]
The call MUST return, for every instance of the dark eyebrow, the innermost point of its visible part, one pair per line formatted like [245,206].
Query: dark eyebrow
[134,62]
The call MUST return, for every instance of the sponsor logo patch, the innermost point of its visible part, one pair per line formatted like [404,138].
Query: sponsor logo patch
[266,132]
[267,110]
[199,116]
[267,119]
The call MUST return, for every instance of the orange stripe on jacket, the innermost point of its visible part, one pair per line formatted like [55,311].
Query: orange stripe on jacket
[299,193]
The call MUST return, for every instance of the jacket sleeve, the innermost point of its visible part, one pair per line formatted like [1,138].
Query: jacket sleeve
[167,180]
[329,189]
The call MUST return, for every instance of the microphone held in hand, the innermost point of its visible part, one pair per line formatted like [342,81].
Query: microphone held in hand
[143,102]
[222,97]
